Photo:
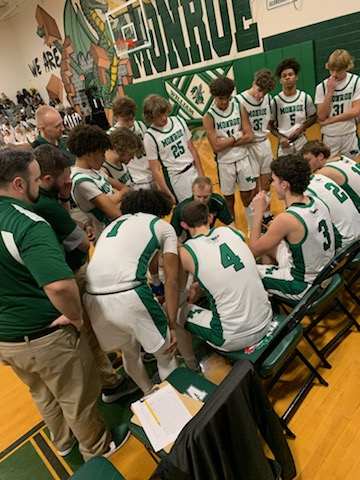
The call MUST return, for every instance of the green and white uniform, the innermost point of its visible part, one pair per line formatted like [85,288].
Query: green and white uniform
[30,257]
[119,301]
[88,184]
[259,115]
[341,137]
[344,216]
[118,172]
[351,171]
[169,145]
[240,310]
[234,165]
[300,263]
[289,113]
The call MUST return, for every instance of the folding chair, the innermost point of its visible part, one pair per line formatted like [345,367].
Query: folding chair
[331,281]
[97,468]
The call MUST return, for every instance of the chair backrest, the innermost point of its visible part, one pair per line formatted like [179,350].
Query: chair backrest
[97,468]
[339,262]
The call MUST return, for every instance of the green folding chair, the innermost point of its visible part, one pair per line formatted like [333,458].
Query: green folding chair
[97,468]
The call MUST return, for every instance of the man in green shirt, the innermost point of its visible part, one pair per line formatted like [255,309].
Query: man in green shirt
[41,314]
[51,127]
[202,191]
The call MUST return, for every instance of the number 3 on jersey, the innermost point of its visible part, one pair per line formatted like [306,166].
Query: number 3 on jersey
[229,258]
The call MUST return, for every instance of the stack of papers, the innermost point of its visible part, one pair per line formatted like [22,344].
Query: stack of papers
[162,415]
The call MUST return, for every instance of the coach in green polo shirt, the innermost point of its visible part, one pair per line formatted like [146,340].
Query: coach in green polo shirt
[202,191]
[40,313]
[50,125]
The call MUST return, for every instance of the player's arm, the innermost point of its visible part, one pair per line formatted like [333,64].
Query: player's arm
[196,158]
[303,127]
[333,174]
[107,206]
[247,133]
[218,144]
[324,102]
[342,117]
[158,176]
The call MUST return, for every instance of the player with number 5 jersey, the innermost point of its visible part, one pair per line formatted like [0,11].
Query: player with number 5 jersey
[173,159]
[225,268]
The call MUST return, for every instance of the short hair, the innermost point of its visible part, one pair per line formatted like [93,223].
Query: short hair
[293,169]
[195,214]
[150,201]
[202,182]
[315,147]
[222,87]
[340,59]
[124,107]
[264,79]
[51,160]
[124,140]
[14,163]
[41,113]
[154,106]
[286,64]
[85,139]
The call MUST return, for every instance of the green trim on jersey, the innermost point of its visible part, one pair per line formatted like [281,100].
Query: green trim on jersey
[221,115]
[250,103]
[298,269]
[288,101]
[146,255]
[285,288]
[239,234]
[153,308]
[346,186]
[162,131]
[215,323]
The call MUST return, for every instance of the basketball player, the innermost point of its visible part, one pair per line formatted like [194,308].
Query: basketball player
[123,311]
[224,266]
[124,110]
[257,104]
[300,241]
[293,110]
[338,104]
[343,213]
[173,159]
[228,130]
[344,172]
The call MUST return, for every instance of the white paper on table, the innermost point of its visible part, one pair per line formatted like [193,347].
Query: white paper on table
[162,415]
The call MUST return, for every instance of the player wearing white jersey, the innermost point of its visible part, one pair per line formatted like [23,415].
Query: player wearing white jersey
[299,242]
[123,311]
[137,173]
[338,104]
[225,268]
[228,132]
[293,110]
[173,159]
[343,171]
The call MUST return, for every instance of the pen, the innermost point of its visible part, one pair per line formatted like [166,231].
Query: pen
[153,414]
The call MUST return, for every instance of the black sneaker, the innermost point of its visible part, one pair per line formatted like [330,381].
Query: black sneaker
[122,389]
[147,357]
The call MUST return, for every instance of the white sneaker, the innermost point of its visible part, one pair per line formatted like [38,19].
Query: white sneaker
[63,453]
[114,448]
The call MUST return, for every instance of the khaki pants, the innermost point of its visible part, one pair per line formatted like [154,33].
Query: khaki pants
[59,370]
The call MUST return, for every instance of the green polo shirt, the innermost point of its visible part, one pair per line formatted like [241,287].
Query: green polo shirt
[30,257]
[217,206]
[62,145]
[64,226]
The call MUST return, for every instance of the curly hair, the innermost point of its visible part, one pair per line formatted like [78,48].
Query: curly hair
[154,106]
[124,140]
[315,147]
[150,201]
[264,80]
[222,87]
[195,214]
[286,64]
[124,107]
[85,139]
[293,169]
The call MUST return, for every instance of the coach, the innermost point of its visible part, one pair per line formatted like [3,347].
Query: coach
[40,314]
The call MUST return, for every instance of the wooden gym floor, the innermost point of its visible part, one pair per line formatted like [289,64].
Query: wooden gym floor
[327,425]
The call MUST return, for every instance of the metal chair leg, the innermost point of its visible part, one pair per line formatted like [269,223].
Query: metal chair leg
[348,314]
[318,352]
[352,294]
[312,369]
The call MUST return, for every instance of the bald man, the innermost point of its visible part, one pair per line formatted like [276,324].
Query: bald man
[51,128]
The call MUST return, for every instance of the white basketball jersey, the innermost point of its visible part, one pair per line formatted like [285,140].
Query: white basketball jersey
[318,246]
[351,171]
[118,172]
[124,251]
[343,213]
[347,92]
[291,112]
[171,145]
[226,269]
[259,114]
[226,123]
[139,166]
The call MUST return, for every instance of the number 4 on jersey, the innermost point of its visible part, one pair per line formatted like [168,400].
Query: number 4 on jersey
[229,258]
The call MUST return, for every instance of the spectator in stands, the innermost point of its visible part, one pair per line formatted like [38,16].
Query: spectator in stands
[40,315]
